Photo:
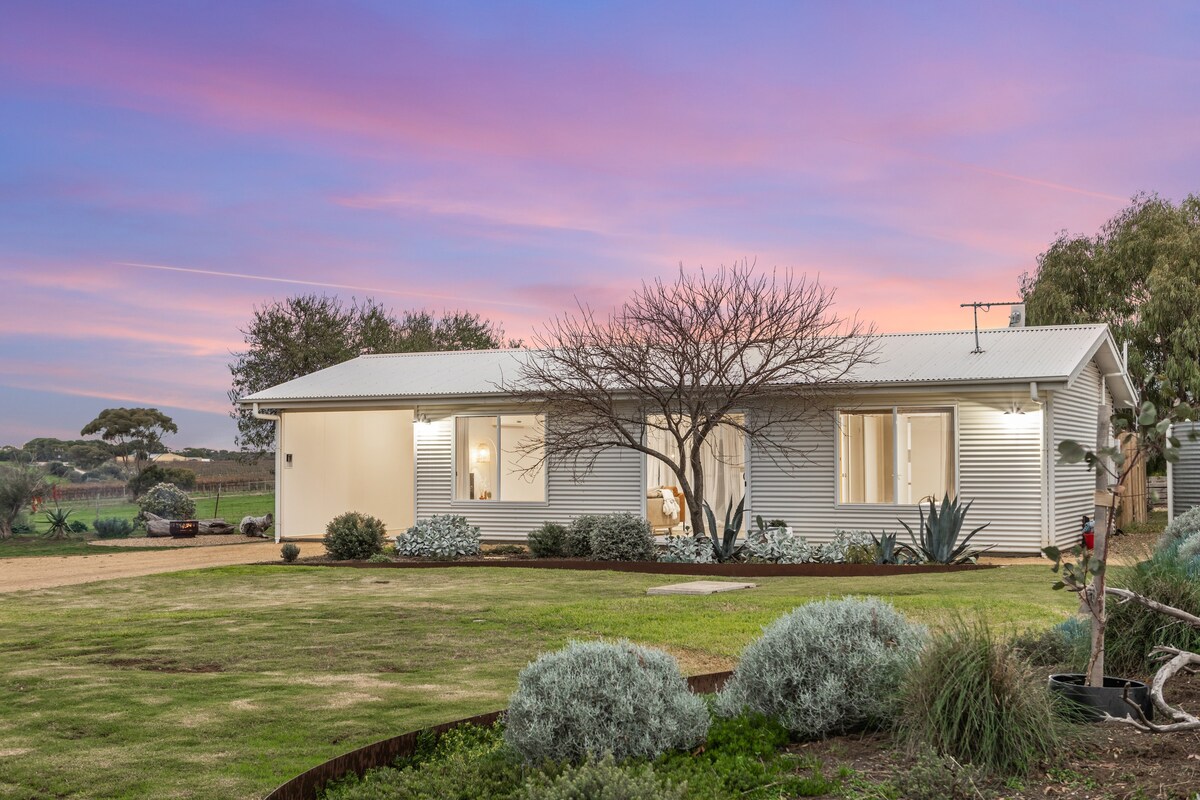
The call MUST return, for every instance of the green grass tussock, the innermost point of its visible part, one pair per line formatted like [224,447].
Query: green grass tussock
[972,697]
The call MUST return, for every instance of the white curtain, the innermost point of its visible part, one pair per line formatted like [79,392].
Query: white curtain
[723,458]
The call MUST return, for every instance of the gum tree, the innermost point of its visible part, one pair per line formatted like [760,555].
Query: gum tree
[132,431]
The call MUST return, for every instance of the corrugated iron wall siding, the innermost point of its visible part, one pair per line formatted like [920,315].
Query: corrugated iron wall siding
[615,484]
[1000,462]
[999,469]
[1074,416]
[1185,473]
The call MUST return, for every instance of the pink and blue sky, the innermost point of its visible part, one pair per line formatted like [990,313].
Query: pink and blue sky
[166,166]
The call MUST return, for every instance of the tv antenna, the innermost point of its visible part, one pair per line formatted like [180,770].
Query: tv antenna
[986,307]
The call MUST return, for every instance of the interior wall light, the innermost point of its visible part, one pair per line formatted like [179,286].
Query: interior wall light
[483,453]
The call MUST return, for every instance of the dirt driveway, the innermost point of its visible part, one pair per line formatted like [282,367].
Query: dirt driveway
[19,574]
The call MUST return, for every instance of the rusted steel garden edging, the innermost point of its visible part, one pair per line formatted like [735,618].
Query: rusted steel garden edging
[306,785]
[660,568]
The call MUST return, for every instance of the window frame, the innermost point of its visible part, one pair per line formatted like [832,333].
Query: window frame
[895,410]
[465,503]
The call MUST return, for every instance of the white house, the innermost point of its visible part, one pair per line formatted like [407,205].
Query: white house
[407,436]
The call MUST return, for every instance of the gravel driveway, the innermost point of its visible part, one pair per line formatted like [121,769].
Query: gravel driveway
[19,574]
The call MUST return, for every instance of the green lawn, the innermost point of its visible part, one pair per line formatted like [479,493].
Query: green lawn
[232,508]
[35,545]
[222,683]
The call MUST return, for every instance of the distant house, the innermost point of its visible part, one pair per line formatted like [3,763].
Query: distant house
[168,458]
[408,436]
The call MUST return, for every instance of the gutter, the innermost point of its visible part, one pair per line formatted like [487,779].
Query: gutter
[278,420]
[260,415]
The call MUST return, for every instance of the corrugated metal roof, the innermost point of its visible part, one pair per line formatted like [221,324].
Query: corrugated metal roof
[1009,354]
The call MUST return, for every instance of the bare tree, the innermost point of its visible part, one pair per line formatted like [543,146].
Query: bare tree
[733,347]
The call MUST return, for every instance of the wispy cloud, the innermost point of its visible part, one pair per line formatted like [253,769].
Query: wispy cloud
[406,293]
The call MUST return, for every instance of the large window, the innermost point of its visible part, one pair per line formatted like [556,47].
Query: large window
[493,456]
[896,456]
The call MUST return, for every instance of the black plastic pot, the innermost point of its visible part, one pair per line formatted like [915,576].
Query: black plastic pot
[1090,703]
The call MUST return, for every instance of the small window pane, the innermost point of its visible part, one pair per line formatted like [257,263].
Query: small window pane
[867,457]
[476,458]
[522,443]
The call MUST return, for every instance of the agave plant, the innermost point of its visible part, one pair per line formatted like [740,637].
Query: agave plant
[58,523]
[939,541]
[725,546]
[889,551]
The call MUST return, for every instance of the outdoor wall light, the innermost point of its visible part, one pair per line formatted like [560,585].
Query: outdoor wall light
[1015,408]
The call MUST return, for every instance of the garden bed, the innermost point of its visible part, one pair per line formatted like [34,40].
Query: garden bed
[1108,761]
[307,785]
[736,570]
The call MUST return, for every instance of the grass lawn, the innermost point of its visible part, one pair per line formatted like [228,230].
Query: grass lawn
[34,545]
[222,683]
[232,508]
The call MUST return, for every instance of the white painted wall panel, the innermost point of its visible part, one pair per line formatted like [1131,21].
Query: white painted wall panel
[345,461]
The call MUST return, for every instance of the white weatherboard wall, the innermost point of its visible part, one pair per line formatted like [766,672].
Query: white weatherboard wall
[360,460]
[1185,473]
[615,484]
[1074,414]
[999,468]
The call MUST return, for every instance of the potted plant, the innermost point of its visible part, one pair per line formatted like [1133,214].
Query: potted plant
[1098,696]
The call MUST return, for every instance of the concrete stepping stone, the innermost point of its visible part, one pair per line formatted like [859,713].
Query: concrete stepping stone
[699,587]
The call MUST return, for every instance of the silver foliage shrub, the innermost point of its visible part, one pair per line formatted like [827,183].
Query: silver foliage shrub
[779,546]
[836,551]
[592,699]
[827,666]
[622,537]
[168,501]
[1189,548]
[688,550]
[441,537]
[1180,528]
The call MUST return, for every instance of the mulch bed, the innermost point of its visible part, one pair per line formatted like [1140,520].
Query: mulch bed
[655,567]
[1110,762]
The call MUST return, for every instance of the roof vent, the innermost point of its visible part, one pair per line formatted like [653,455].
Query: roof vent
[1016,315]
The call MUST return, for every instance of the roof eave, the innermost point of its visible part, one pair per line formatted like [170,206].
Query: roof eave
[449,399]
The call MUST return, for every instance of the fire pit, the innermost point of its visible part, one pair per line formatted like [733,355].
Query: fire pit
[184,528]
